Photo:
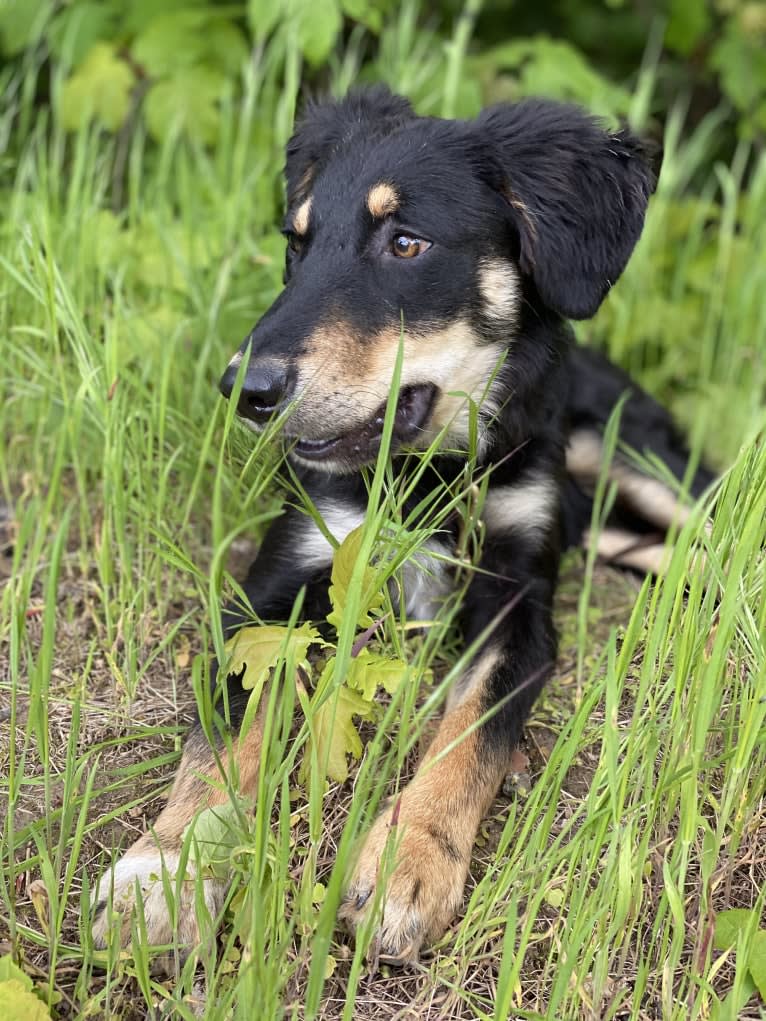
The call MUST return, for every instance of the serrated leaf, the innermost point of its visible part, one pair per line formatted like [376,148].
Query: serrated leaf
[99,88]
[728,925]
[186,102]
[343,564]
[17,1003]
[370,669]
[334,734]
[214,836]
[257,649]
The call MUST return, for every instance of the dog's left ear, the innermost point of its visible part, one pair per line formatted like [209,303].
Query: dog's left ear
[577,196]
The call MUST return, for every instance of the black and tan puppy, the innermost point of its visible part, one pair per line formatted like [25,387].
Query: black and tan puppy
[477,240]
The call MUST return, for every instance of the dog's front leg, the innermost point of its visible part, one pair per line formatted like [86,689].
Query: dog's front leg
[291,558]
[432,825]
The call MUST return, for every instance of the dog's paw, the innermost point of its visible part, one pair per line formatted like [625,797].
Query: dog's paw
[423,892]
[169,902]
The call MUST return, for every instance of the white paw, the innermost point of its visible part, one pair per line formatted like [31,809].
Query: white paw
[169,904]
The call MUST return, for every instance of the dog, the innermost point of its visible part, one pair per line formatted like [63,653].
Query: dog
[462,248]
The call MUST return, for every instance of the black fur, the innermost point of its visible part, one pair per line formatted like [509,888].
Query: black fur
[539,190]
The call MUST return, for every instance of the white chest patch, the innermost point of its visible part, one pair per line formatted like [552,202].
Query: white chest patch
[427,580]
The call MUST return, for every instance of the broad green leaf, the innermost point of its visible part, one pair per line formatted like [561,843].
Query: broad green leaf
[186,102]
[366,13]
[21,24]
[10,970]
[140,12]
[99,88]
[17,1003]
[187,39]
[318,22]
[257,649]
[728,925]
[343,565]
[334,732]
[264,15]
[215,837]
[756,962]
[689,21]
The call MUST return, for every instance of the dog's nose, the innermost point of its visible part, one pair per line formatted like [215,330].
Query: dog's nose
[266,386]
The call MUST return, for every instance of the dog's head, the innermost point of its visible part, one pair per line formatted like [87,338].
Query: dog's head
[430,233]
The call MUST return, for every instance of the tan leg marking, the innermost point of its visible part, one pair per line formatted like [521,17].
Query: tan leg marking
[438,817]
[647,497]
[625,549]
[143,862]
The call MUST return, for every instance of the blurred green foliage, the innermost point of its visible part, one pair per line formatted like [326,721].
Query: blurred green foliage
[171,63]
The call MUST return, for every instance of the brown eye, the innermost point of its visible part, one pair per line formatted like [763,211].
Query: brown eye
[407,247]
[294,242]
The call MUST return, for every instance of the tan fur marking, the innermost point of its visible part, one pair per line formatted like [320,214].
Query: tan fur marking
[200,784]
[301,216]
[499,286]
[625,549]
[359,373]
[436,820]
[648,497]
[382,200]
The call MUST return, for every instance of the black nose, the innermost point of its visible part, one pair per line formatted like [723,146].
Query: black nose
[266,386]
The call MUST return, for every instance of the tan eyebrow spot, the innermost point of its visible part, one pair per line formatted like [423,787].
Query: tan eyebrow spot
[382,200]
[301,218]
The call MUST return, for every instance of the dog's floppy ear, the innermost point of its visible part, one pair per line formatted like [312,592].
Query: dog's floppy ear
[330,126]
[576,194]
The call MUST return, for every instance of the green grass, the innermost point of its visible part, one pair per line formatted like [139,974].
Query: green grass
[129,496]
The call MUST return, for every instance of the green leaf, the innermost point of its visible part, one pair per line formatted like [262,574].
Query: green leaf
[17,1003]
[186,102]
[689,21]
[756,962]
[9,970]
[22,23]
[368,14]
[188,39]
[257,649]
[370,669]
[319,22]
[334,733]
[343,565]
[99,88]
[728,925]
[264,15]
[215,836]
[76,28]
[140,12]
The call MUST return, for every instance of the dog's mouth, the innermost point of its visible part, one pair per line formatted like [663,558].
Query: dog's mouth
[361,445]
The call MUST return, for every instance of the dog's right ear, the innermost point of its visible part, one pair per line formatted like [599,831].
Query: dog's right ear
[331,126]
